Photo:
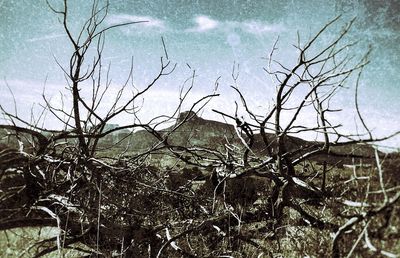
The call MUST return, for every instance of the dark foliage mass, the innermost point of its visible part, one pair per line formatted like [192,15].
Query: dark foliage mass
[200,188]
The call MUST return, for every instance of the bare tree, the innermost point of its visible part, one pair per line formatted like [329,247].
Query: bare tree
[61,180]
[319,75]
[264,190]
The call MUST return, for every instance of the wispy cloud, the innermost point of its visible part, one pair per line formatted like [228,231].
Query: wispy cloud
[258,27]
[46,37]
[147,21]
[204,23]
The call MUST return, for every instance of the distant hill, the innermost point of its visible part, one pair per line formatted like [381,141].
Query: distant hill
[200,132]
[197,131]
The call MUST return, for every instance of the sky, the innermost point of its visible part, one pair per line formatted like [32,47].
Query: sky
[207,36]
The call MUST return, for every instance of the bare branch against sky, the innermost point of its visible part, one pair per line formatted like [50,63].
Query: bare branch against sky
[209,36]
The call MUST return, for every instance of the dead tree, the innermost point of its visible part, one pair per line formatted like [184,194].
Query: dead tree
[318,75]
[59,179]
[125,207]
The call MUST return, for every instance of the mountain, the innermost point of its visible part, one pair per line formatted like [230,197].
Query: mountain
[196,131]
[200,132]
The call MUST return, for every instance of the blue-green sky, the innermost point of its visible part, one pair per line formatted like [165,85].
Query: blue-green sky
[209,35]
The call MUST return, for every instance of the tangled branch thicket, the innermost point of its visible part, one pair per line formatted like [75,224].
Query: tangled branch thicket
[258,192]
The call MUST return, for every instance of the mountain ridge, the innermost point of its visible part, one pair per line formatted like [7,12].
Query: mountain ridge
[200,132]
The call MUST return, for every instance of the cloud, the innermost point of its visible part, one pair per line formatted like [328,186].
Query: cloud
[46,37]
[204,23]
[257,27]
[148,22]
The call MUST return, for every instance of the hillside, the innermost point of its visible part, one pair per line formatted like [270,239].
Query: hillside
[200,132]
[196,131]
